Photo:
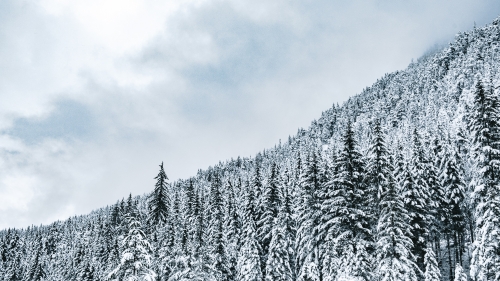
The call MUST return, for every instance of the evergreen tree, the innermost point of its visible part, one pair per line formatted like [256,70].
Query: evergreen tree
[454,223]
[193,221]
[377,167]
[437,201]
[232,228]
[269,206]
[308,211]
[256,185]
[394,245]
[87,273]
[35,271]
[348,213]
[217,248]
[310,270]
[158,202]
[416,197]
[279,265]
[135,260]
[459,273]
[13,271]
[432,272]
[485,124]
[248,267]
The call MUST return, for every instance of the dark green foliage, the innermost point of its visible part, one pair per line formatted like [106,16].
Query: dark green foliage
[158,202]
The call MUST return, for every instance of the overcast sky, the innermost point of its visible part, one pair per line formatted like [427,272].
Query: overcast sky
[96,93]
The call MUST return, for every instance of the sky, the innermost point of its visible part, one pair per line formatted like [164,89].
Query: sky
[95,94]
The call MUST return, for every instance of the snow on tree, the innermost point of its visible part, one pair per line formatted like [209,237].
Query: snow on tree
[309,271]
[453,208]
[279,265]
[347,215]
[333,201]
[394,245]
[377,167]
[135,260]
[432,272]
[308,210]
[269,207]
[158,203]
[416,196]
[248,266]
[460,273]
[35,271]
[485,124]
[232,227]
[217,251]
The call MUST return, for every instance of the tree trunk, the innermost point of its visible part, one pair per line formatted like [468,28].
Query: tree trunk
[449,257]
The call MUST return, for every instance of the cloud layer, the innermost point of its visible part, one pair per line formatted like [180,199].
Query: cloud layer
[95,94]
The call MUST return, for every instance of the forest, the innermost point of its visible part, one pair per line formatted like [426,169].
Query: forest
[401,182]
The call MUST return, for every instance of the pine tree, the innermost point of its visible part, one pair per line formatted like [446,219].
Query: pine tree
[485,124]
[416,196]
[35,271]
[193,221]
[135,261]
[12,273]
[453,184]
[310,270]
[256,184]
[459,273]
[231,228]
[377,167]
[279,265]
[347,213]
[248,267]
[437,200]
[269,206]
[394,245]
[87,273]
[432,272]
[158,202]
[308,211]
[217,248]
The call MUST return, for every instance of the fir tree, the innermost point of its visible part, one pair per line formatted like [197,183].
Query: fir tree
[279,265]
[394,245]
[416,196]
[158,202]
[348,214]
[459,273]
[35,271]
[232,228]
[269,206]
[378,166]
[217,248]
[135,260]
[432,272]
[454,222]
[248,267]
[193,221]
[486,128]
[308,211]
[310,270]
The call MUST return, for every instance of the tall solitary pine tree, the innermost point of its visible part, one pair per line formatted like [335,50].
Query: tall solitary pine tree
[158,202]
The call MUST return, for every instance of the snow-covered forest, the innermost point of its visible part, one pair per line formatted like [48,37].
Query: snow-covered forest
[401,182]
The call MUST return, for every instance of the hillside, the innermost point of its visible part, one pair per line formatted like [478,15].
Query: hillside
[402,160]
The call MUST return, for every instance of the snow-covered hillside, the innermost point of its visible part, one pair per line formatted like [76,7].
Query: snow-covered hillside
[401,182]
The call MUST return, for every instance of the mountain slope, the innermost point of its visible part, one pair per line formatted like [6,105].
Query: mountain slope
[223,218]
